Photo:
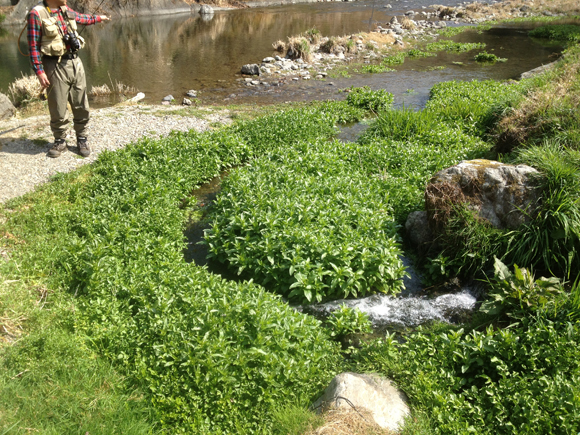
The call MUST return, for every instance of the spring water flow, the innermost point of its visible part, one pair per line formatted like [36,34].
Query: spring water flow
[411,308]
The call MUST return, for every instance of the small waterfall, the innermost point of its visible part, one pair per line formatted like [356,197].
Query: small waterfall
[409,309]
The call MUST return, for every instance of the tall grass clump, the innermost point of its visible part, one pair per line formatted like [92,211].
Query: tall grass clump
[474,106]
[299,48]
[548,111]
[25,90]
[551,242]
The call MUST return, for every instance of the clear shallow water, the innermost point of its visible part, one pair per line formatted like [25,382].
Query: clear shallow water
[171,54]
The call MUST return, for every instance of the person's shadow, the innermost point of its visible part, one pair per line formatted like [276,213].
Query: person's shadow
[13,143]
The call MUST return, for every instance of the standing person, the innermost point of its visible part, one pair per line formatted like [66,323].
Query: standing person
[53,44]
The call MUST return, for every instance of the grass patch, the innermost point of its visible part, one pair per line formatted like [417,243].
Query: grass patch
[454,47]
[548,111]
[560,32]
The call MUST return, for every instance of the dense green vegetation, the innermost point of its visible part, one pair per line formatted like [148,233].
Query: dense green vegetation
[124,336]
[562,32]
[208,354]
[485,57]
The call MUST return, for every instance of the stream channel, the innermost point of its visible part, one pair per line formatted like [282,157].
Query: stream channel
[163,55]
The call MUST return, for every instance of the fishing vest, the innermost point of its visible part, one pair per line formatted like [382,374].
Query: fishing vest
[52,43]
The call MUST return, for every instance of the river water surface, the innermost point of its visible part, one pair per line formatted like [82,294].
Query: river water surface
[171,54]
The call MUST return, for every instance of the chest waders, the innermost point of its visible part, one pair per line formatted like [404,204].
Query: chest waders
[65,72]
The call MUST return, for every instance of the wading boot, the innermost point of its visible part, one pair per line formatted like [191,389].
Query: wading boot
[83,145]
[58,148]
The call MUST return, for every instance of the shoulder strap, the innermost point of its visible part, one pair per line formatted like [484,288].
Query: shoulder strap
[67,12]
[41,9]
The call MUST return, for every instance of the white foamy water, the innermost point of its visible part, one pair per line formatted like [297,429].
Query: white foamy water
[407,310]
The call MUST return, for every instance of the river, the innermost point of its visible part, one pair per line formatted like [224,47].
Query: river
[171,54]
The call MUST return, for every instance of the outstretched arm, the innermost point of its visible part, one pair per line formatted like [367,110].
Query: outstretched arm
[87,20]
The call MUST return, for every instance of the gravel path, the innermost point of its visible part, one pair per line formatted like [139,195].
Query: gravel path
[24,143]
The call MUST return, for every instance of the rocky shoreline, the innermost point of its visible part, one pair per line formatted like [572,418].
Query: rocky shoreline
[405,31]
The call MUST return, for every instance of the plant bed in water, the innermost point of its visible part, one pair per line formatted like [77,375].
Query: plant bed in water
[193,353]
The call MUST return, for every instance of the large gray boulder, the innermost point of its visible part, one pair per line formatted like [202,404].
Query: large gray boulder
[7,109]
[387,405]
[504,195]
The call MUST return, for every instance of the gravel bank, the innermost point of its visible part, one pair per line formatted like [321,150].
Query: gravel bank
[25,142]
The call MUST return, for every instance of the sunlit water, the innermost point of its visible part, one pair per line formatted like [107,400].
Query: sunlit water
[411,308]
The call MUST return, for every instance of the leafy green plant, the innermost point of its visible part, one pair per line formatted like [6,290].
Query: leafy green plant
[367,99]
[210,355]
[414,53]
[394,59]
[485,57]
[523,379]
[345,320]
[558,32]
[336,73]
[454,47]
[515,294]
[375,69]
[299,224]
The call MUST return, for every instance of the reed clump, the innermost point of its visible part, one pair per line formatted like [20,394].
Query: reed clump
[25,90]
[116,88]
[299,48]
[549,110]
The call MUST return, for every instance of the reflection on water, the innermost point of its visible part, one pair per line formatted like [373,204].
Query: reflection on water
[171,54]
